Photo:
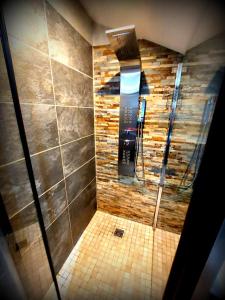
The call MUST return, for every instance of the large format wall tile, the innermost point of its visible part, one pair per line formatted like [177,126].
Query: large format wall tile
[34,271]
[60,34]
[28,31]
[63,84]
[25,20]
[74,99]
[71,87]
[68,118]
[75,123]
[77,153]
[53,202]
[82,55]
[82,210]
[47,169]
[86,121]
[5,92]
[10,144]
[66,44]
[33,75]
[41,127]
[59,238]
[25,227]
[15,187]
[78,180]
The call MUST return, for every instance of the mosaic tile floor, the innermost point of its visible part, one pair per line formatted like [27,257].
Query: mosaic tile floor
[104,266]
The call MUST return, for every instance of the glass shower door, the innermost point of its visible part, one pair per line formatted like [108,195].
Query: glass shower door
[26,263]
[202,74]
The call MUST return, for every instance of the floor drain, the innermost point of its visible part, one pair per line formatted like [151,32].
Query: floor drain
[119,232]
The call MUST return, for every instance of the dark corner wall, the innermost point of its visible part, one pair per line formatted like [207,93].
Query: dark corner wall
[53,70]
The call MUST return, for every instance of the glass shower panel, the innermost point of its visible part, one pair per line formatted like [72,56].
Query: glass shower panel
[202,74]
[203,71]
[20,223]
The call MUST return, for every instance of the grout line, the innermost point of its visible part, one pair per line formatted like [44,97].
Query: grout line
[46,150]
[86,136]
[57,122]
[12,162]
[19,211]
[49,189]
[45,54]
[67,207]
[64,178]
[43,151]
[82,190]
[60,145]
[95,127]
[69,66]
[79,167]
[18,40]
[70,23]
[47,104]
[175,237]
[57,217]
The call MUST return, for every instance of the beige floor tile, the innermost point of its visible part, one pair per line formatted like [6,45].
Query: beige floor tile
[103,266]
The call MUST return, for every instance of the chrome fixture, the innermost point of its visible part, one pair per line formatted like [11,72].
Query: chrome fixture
[124,42]
[168,141]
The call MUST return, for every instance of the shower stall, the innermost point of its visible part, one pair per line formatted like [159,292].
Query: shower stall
[99,151]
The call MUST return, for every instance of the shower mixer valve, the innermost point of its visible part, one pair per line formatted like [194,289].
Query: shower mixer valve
[131,129]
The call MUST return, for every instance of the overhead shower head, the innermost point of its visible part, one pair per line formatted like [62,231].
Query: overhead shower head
[124,42]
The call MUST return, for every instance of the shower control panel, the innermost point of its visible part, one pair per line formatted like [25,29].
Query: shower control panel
[129,103]
[127,138]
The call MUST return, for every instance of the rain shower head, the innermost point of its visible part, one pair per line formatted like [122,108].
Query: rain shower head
[124,42]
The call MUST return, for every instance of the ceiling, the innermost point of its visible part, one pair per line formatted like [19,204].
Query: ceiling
[178,25]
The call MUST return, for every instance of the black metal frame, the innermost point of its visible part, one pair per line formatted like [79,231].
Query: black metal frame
[15,96]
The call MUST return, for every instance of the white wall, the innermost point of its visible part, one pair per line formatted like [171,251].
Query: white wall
[175,24]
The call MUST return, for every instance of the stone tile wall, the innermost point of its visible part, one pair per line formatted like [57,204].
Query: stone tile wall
[134,200]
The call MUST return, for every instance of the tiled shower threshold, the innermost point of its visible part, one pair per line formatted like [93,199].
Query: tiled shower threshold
[105,266]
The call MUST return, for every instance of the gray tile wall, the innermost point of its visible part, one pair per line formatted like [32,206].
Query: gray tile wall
[53,69]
